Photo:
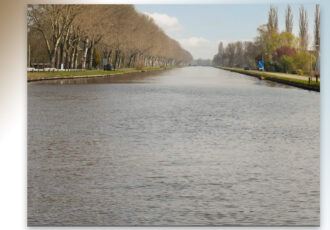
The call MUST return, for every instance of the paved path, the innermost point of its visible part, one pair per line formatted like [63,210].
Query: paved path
[286,75]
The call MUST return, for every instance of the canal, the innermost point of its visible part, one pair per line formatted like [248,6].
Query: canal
[186,146]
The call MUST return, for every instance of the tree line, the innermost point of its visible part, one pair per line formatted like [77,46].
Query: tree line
[280,51]
[79,36]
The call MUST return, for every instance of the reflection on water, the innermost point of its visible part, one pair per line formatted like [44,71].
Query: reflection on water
[189,146]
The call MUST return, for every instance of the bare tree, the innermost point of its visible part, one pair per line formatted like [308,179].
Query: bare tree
[125,37]
[317,28]
[303,28]
[288,19]
[220,48]
[272,19]
[239,54]
[52,21]
[218,58]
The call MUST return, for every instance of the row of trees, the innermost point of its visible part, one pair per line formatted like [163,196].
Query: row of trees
[79,36]
[280,51]
[202,62]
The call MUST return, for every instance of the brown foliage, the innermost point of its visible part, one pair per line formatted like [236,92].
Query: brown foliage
[124,37]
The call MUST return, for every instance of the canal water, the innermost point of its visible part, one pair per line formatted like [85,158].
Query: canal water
[187,146]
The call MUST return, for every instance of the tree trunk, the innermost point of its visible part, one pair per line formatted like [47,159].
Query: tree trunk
[75,59]
[91,55]
[76,51]
[61,55]
[109,57]
[84,54]
[116,59]
[72,58]
[67,64]
[52,58]
[131,60]
[58,56]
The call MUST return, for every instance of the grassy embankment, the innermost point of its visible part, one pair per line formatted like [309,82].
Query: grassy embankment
[284,80]
[38,76]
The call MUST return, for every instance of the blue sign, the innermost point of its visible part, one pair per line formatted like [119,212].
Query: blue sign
[261,65]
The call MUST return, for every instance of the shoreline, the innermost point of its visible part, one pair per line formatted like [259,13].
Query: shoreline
[111,74]
[303,84]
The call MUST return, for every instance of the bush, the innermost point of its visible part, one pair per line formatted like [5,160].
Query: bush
[302,61]
[287,64]
[269,66]
[97,59]
[138,66]
[284,50]
[299,72]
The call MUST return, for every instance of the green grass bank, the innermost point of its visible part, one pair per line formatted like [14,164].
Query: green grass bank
[39,76]
[304,84]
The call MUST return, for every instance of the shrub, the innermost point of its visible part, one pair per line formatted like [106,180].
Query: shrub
[269,66]
[138,66]
[302,61]
[299,72]
[284,50]
[286,64]
[96,58]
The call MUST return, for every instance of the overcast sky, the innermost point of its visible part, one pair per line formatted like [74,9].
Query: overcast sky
[200,28]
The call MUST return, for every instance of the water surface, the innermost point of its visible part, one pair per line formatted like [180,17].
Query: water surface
[188,146]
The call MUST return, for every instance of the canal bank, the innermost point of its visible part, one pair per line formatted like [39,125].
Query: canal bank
[299,83]
[60,75]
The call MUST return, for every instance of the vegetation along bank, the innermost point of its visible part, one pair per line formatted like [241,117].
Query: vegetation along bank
[275,77]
